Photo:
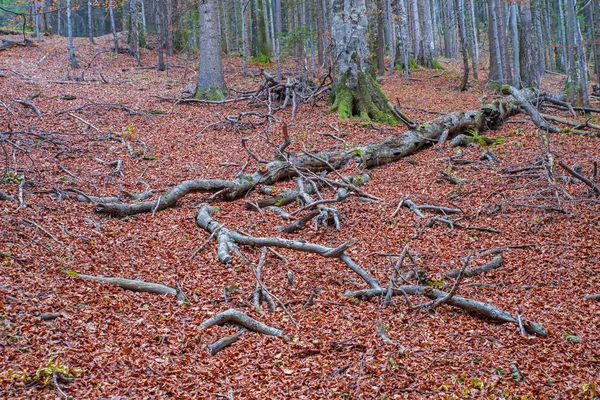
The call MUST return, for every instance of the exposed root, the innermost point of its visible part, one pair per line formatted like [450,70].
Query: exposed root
[137,286]
[229,240]
[239,318]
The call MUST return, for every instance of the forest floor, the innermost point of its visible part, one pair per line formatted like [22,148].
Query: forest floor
[142,345]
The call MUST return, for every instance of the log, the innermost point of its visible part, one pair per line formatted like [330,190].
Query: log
[239,318]
[385,152]
[476,307]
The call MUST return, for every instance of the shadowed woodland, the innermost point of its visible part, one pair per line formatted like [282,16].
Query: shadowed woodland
[250,199]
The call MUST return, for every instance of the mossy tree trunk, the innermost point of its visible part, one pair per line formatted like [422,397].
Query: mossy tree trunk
[355,91]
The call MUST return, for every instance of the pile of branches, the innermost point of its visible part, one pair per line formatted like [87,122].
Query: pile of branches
[272,93]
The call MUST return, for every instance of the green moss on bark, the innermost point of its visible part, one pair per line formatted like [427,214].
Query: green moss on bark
[210,93]
[367,101]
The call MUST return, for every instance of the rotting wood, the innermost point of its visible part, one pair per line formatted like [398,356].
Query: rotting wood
[385,152]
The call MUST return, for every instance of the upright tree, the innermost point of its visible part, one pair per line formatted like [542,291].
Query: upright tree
[70,46]
[355,91]
[211,84]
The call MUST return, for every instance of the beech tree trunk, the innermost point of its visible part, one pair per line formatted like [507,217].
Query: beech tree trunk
[113,26]
[529,63]
[90,22]
[355,91]
[70,46]
[211,84]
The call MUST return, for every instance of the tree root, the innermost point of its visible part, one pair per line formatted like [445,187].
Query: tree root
[479,308]
[229,240]
[239,318]
[137,286]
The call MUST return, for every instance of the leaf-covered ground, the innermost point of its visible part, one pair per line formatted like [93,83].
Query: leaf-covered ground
[140,345]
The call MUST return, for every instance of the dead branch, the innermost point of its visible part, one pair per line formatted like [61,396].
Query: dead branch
[579,176]
[479,308]
[452,178]
[5,197]
[239,318]
[496,263]
[593,297]
[523,101]
[381,333]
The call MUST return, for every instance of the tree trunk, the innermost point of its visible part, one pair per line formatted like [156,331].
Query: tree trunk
[380,39]
[428,43]
[496,70]
[243,4]
[90,22]
[160,35]
[113,26]
[578,71]
[563,36]
[514,23]
[416,30]
[391,34]
[530,71]
[70,47]
[278,31]
[211,84]
[134,34]
[460,18]
[403,36]
[474,43]
[355,92]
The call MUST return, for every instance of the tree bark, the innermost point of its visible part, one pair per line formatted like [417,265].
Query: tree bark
[113,26]
[460,17]
[70,46]
[529,63]
[90,22]
[211,83]
[355,92]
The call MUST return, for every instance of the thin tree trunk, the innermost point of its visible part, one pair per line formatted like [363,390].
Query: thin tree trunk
[563,36]
[403,36]
[134,34]
[113,26]
[530,71]
[428,43]
[391,34]
[243,4]
[417,30]
[460,18]
[160,35]
[496,70]
[380,39]
[472,35]
[90,22]
[70,47]
[515,43]
[278,31]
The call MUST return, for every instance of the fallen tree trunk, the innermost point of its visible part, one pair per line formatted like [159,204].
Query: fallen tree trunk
[283,166]
[229,240]
[473,306]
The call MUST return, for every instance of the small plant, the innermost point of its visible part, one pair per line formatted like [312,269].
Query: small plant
[45,375]
[156,112]
[10,176]
[129,133]
[261,58]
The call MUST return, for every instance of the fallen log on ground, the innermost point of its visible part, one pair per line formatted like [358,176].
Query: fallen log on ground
[135,285]
[228,242]
[479,308]
[287,166]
